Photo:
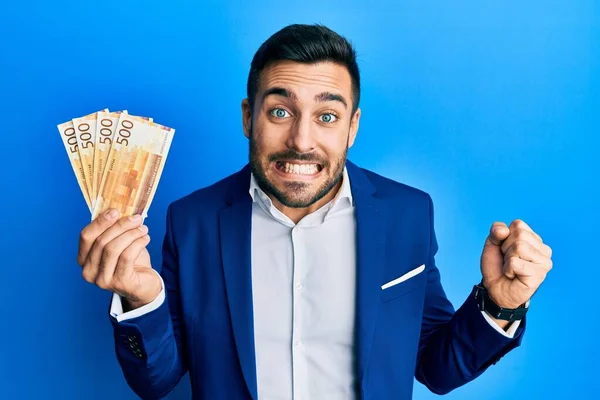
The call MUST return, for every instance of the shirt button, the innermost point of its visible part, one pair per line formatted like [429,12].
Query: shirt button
[298,343]
[299,286]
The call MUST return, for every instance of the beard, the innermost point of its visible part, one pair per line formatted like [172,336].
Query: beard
[295,194]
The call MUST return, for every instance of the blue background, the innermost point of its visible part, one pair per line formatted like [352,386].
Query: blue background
[491,108]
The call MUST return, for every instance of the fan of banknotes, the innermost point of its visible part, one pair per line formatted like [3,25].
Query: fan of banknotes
[118,159]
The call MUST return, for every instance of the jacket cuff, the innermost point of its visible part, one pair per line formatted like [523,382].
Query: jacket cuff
[487,343]
[138,338]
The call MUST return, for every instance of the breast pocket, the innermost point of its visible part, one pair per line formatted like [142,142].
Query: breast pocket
[413,279]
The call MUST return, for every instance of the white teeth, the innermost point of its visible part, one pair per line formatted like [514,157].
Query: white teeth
[300,169]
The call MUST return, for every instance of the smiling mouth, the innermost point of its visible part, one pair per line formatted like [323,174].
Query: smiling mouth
[292,168]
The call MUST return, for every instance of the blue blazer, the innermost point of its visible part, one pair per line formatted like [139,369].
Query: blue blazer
[205,326]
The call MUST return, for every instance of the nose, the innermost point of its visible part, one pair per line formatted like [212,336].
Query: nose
[301,137]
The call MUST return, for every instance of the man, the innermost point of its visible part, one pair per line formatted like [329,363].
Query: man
[303,276]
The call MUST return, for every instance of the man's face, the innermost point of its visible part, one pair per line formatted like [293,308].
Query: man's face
[300,130]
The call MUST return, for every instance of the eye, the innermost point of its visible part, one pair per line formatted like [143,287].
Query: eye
[328,118]
[279,113]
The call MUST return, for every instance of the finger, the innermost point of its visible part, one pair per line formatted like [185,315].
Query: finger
[527,252]
[113,251]
[92,231]
[127,260]
[517,266]
[94,256]
[528,273]
[520,224]
[546,250]
[498,233]
[520,234]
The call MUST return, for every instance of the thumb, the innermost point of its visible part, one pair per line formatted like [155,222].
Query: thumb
[492,258]
[498,233]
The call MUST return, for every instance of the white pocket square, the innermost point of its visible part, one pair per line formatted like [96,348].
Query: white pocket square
[404,277]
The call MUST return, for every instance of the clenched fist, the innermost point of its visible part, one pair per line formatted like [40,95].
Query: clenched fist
[113,254]
[514,263]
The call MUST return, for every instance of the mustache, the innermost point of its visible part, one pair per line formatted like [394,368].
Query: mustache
[291,155]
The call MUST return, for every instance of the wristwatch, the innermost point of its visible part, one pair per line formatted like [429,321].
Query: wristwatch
[485,303]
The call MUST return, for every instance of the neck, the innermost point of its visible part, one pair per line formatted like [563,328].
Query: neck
[296,214]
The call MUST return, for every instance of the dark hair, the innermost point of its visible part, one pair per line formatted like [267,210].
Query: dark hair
[307,44]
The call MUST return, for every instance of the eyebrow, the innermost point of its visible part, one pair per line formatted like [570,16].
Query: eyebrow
[279,91]
[328,96]
[320,98]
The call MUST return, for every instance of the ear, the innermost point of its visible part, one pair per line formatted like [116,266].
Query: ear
[246,117]
[354,123]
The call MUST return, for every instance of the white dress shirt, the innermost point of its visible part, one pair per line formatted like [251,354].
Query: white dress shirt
[304,288]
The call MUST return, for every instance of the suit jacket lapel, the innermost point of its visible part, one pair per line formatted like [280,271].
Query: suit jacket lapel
[370,257]
[235,222]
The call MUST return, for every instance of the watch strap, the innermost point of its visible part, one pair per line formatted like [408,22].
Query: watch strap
[485,303]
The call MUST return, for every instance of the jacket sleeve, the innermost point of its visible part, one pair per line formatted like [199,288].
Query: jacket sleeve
[455,347]
[150,348]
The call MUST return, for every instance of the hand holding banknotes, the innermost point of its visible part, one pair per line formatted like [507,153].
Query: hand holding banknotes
[113,254]
[117,159]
